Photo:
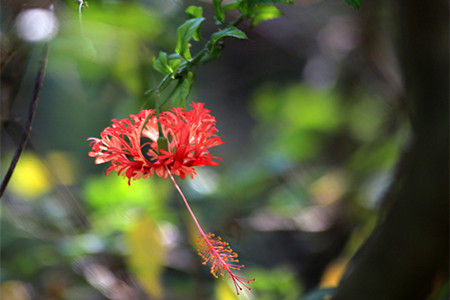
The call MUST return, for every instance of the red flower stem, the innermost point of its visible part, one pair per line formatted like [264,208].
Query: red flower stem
[187,205]
[213,249]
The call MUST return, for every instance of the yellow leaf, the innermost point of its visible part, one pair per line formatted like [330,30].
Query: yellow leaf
[333,273]
[146,255]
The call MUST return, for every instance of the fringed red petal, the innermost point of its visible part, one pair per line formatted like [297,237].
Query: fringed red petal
[130,145]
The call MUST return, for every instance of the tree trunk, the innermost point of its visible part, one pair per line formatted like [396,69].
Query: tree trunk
[402,257]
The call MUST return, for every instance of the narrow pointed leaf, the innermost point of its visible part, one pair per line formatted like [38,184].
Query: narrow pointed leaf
[184,34]
[160,64]
[229,31]
[180,93]
[195,12]
[219,12]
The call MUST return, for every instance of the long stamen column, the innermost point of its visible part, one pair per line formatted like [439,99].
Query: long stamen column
[215,251]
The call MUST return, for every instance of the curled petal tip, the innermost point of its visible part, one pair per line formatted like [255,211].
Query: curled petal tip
[130,144]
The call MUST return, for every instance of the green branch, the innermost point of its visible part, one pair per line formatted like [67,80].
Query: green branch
[182,66]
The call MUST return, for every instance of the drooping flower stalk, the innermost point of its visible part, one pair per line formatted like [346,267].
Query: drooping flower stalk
[215,251]
[167,144]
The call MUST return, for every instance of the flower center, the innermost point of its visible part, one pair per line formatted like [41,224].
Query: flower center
[146,149]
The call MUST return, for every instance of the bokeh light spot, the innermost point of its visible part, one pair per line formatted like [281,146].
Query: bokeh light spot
[36,25]
[29,179]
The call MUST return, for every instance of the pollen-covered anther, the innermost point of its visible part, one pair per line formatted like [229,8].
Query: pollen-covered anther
[222,258]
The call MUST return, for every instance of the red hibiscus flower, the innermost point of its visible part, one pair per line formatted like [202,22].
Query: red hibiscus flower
[131,145]
[171,143]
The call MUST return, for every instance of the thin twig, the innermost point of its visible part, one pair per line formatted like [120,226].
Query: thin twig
[33,105]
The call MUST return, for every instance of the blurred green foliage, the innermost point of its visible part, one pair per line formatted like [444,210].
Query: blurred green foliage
[109,44]
[302,114]
[302,169]
[279,283]
[118,205]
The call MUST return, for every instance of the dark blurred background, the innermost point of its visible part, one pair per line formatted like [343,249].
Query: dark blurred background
[312,111]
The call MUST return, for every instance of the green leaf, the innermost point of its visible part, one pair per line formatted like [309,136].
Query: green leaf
[175,61]
[219,11]
[175,64]
[180,93]
[261,10]
[231,5]
[246,8]
[161,65]
[184,34]
[229,31]
[194,12]
[264,12]
[214,53]
[354,3]
[214,49]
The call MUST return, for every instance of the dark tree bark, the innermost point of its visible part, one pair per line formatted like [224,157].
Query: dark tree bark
[404,255]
